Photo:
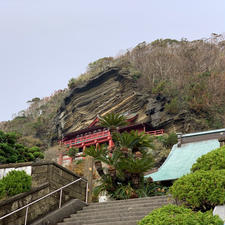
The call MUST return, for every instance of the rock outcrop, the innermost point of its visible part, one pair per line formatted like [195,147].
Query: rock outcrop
[112,91]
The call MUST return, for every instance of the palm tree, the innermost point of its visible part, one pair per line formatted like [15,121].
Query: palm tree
[135,141]
[112,121]
[125,168]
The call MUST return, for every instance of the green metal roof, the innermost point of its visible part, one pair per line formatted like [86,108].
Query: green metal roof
[181,159]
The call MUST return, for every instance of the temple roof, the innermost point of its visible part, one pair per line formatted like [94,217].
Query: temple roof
[183,156]
[181,159]
[82,131]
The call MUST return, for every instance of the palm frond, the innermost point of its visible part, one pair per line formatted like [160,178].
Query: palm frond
[98,152]
[133,140]
[113,120]
[135,165]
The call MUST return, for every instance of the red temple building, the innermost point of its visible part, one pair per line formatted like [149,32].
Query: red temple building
[95,134]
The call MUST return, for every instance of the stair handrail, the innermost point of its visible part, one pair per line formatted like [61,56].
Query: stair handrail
[45,196]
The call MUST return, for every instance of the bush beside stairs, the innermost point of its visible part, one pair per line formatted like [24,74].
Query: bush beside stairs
[120,212]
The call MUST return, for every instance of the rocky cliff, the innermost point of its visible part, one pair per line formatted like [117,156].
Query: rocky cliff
[175,85]
[113,90]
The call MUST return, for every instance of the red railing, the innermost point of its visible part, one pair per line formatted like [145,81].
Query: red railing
[99,137]
[88,138]
[156,132]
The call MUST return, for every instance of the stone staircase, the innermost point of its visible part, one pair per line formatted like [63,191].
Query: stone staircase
[123,212]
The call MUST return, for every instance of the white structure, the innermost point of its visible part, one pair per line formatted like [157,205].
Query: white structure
[220,211]
[3,172]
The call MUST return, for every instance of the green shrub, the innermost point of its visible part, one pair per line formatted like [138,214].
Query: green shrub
[155,189]
[171,140]
[34,149]
[72,152]
[214,160]
[15,182]
[167,140]
[72,83]
[179,215]
[202,190]
[39,155]
[159,87]
[2,189]
[13,152]
[123,192]
[173,107]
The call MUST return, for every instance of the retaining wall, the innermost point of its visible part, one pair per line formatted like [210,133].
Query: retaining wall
[46,177]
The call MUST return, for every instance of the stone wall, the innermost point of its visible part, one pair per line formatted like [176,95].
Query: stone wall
[46,177]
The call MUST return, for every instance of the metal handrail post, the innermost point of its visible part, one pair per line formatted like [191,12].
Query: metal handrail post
[60,199]
[27,206]
[86,200]
[26,215]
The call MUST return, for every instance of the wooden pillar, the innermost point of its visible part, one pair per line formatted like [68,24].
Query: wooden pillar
[88,174]
[111,144]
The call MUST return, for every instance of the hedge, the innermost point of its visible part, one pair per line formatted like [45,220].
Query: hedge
[202,190]
[179,215]
[214,160]
[14,182]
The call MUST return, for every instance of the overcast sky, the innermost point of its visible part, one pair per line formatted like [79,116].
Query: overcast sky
[44,43]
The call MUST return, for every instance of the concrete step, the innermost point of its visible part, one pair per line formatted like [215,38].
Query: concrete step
[105,213]
[105,220]
[108,223]
[114,207]
[130,201]
[122,212]
[128,204]
[119,209]
[110,214]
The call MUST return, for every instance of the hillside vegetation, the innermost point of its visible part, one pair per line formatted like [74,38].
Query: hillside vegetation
[35,124]
[191,74]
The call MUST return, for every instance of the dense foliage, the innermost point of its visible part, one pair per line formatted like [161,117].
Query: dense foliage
[201,190]
[214,160]
[11,151]
[113,120]
[151,188]
[14,182]
[72,152]
[179,215]
[162,147]
[126,161]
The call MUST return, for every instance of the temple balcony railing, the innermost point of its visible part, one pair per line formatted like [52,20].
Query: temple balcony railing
[100,137]
[88,138]
[155,132]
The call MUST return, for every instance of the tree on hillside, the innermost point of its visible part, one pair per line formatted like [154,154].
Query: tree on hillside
[12,152]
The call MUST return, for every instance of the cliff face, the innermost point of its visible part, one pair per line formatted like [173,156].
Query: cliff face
[112,91]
